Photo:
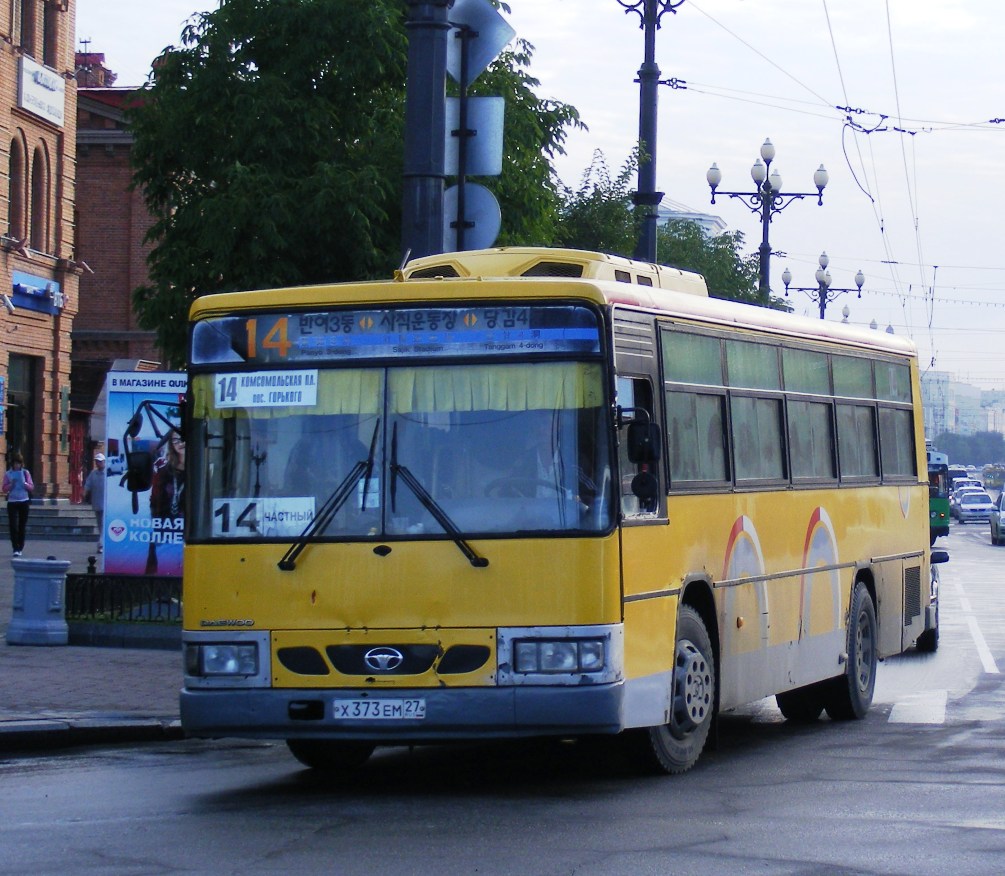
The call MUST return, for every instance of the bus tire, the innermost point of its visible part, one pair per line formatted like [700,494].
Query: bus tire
[675,747]
[802,705]
[928,641]
[850,695]
[329,755]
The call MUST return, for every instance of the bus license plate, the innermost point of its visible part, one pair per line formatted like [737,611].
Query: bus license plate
[380,710]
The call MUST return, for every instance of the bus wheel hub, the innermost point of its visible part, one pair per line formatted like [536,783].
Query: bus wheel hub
[692,700]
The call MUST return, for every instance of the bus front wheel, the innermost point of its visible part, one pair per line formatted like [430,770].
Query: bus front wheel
[850,694]
[330,756]
[676,746]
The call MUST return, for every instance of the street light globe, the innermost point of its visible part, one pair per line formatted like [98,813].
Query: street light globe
[824,259]
[860,281]
[786,278]
[758,172]
[714,175]
[820,178]
[775,181]
[768,150]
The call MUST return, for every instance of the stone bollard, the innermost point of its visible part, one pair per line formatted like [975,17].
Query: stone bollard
[38,609]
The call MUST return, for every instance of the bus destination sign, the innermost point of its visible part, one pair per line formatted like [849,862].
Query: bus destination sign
[339,335]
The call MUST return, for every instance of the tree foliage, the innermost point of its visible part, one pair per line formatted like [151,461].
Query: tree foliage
[728,273]
[599,215]
[977,449]
[268,146]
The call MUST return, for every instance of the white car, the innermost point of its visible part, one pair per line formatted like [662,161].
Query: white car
[958,493]
[974,506]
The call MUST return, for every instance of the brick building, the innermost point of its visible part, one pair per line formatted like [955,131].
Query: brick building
[112,222]
[39,273]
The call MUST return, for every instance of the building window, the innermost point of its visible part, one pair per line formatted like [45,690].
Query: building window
[28,27]
[51,18]
[39,201]
[15,219]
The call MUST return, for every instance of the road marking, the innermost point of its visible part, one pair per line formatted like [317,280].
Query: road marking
[926,707]
[987,659]
[983,651]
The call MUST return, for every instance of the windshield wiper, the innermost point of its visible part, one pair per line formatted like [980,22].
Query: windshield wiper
[332,504]
[429,503]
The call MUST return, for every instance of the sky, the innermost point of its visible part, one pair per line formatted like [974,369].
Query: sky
[901,100]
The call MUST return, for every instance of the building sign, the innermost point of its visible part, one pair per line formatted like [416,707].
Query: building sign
[144,517]
[41,91]
[36,293]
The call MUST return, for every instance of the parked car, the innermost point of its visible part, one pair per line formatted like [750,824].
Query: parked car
[974,506]
[997,512]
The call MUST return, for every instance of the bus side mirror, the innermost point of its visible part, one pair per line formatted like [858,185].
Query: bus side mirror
[940,556]
[139,470]
[643,442]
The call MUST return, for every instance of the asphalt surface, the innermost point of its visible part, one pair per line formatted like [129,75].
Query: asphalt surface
[53,696]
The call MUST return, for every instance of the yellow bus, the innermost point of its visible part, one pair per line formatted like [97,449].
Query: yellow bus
[523,492]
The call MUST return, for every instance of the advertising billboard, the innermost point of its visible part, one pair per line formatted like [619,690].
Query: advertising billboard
[145,495]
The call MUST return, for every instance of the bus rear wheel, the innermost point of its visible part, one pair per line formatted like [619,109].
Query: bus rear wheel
[850,695]
[330,755]
[676,746]
[802,705]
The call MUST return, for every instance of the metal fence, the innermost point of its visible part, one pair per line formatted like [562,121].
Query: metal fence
[123,598]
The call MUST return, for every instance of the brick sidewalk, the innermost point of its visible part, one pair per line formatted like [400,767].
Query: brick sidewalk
[57,694]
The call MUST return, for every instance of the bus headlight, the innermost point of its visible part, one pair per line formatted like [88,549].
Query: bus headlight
[559,655]
[222,659]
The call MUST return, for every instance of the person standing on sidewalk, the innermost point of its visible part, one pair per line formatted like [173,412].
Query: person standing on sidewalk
[17,487]
[94,492]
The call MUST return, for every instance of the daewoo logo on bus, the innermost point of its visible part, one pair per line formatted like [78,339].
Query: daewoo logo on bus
[226,622]
[383,659]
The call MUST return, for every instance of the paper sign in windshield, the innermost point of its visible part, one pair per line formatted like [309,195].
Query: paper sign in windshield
[284,517]
[267,389]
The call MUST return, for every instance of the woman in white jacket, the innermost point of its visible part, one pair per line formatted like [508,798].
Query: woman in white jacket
[17,487]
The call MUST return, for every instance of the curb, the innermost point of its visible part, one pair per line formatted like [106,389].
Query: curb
[35,734]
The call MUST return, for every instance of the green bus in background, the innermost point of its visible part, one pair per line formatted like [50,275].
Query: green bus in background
[938,494]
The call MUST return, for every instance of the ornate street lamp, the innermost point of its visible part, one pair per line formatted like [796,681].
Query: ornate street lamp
[647,199]
[768,200]
[823,292]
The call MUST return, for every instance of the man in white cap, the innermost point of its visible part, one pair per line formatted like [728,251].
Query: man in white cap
[94,492]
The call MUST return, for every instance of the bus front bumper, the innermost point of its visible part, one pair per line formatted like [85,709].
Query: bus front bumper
[452,713]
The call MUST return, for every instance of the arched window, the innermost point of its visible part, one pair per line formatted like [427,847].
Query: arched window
[39,201]
[15,219]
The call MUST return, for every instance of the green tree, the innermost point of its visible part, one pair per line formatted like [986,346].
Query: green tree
[598,215]
[268,147]
[977,449]
[728,273]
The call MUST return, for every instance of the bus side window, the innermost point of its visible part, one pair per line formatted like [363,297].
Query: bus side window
[639,484]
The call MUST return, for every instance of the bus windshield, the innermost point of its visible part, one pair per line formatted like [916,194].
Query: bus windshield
[498,448]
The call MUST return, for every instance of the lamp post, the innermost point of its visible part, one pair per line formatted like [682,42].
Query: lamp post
[823,292]
[768,200]
[647,199]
